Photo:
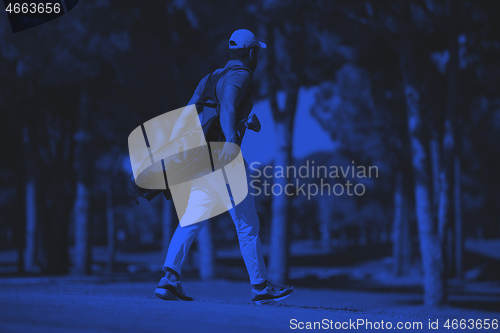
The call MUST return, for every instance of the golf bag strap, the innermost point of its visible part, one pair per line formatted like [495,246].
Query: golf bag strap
[210,123]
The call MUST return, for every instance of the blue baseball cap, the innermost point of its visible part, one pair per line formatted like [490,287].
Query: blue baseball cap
[244,38]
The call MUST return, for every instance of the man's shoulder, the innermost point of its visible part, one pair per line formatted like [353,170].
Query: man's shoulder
[240,69]
[238,66]
[238,72]
[203,81]
[239,76]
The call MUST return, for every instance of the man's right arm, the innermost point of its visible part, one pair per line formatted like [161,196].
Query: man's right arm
[234,91]
[235,88]
[228,113]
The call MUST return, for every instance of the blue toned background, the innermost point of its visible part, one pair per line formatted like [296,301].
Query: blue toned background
[410,87]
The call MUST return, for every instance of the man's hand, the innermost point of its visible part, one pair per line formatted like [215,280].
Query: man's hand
[230,150]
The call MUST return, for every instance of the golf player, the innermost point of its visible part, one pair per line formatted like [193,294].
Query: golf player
[232,86]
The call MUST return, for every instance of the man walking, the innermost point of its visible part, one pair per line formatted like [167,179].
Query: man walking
[231,89]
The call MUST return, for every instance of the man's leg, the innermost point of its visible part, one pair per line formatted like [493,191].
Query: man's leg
[198,205]
[179,246]
[246,221]
[170,287]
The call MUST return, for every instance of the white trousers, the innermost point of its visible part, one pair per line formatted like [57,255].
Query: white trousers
[245,220]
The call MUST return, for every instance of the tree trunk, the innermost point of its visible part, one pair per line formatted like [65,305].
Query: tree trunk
[82,234]
[450,251]
[110,220]
[81,205]
[325,215]
[48,143]
[32,233]
[406,251]
[444,211]
[430,247]
[397,226]
[458,220]
[401,231]
[446,171]
[284,74]
[280,219]
[444,191]
[206,252]
[278,254]
[54,202]
[31,226]
[436,165]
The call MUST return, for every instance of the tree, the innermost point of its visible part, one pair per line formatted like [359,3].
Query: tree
[407,26]
[401,229]
[82,201]
[51,78]
[284,125]
[289,66]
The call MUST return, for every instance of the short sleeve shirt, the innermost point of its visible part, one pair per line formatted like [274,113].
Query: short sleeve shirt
[239,78]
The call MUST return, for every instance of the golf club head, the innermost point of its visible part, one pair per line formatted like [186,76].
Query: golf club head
[253,123]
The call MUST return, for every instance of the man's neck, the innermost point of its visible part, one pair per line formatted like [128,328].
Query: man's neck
[237,62]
